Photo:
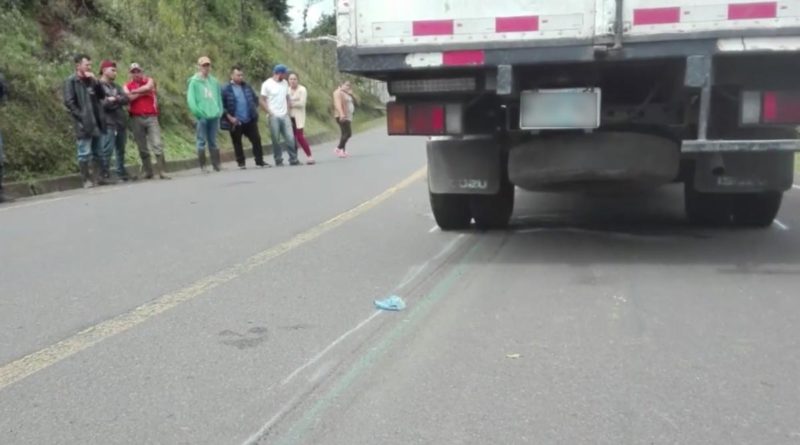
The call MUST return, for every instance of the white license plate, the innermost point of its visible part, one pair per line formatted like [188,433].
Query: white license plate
[564,109]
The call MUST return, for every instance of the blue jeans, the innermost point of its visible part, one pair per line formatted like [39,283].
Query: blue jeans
[281,126]
[114,141]
[207,130]
[90,148]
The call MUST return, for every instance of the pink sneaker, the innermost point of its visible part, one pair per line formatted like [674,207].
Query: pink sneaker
[345,154]
[340,153]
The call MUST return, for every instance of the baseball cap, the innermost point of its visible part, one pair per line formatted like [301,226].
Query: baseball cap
[203,60]
[107,64]
[280,69]
[135,67]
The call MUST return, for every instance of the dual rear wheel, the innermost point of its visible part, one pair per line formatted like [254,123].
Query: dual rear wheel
[732,209]
[490,212]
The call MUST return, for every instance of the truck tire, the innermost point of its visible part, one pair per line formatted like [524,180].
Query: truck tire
[738,209]
[707,209]
[451,211]
[756,209]
[492,212]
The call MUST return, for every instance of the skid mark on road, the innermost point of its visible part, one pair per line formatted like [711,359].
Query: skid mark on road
[37,361]
[408,279]
[369,359]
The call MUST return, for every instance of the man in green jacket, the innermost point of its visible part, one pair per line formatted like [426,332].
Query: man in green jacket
[205,102]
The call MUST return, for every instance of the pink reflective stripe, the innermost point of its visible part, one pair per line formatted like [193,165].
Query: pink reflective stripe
[744,11]
[461,58]
[516,24]
[656,16]
[433,28]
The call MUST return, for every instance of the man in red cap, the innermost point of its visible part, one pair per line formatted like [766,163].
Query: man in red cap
[141,91]
[115,135]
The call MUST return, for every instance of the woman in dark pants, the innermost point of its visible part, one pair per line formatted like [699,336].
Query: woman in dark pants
[344,106]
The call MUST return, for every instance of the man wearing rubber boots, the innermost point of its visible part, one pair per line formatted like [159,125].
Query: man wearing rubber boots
[142,92]
[82,98]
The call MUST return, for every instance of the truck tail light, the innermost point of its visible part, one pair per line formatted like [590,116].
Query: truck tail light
[424,119]
[770,108]
[396,118]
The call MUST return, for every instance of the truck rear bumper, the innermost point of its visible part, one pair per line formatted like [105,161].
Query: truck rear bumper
[755,146]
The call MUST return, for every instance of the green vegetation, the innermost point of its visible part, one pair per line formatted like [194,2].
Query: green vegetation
[39,37]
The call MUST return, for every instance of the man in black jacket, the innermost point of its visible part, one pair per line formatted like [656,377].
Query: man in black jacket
[2,156]
[116,135]
[241,117]
[83,94]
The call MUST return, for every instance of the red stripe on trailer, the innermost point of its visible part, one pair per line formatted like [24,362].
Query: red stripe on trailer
[433,28]
[746,11]
[516,24]
[462,58]
[656,16]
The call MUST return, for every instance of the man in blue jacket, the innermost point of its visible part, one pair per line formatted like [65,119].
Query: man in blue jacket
[241,117]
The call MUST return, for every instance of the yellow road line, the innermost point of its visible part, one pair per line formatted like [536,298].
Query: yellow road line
[37,361]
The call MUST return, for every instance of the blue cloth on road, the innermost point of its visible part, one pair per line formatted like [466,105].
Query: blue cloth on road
[393,303]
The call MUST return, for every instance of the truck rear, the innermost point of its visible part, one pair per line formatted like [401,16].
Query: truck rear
[587,95]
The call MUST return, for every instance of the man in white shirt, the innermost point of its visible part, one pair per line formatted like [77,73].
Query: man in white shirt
[275,101]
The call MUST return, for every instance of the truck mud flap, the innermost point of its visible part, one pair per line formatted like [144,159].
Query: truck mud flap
[472,166]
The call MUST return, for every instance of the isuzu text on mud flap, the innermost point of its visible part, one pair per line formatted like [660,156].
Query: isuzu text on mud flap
[587,94]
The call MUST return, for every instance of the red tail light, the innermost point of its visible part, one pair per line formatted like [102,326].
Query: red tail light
[426,119]
[780,107]
[770,108]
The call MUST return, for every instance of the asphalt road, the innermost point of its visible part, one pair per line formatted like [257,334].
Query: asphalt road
[237,308]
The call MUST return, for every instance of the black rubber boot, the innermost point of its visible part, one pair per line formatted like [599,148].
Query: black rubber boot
[101,175]
[215,162]
[86,175]
[201,159]
[147,168]
[161,167]
[3,197]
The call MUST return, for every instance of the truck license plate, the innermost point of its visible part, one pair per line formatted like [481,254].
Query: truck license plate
[562,109]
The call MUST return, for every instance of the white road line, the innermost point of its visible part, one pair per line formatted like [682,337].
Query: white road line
[780,225]
[796,187]
[433,229]
[322,353]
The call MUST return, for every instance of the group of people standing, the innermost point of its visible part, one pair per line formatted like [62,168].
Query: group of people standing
[102,110]
[235,106]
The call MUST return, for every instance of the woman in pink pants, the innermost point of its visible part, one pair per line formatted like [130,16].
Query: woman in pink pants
[298,96]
